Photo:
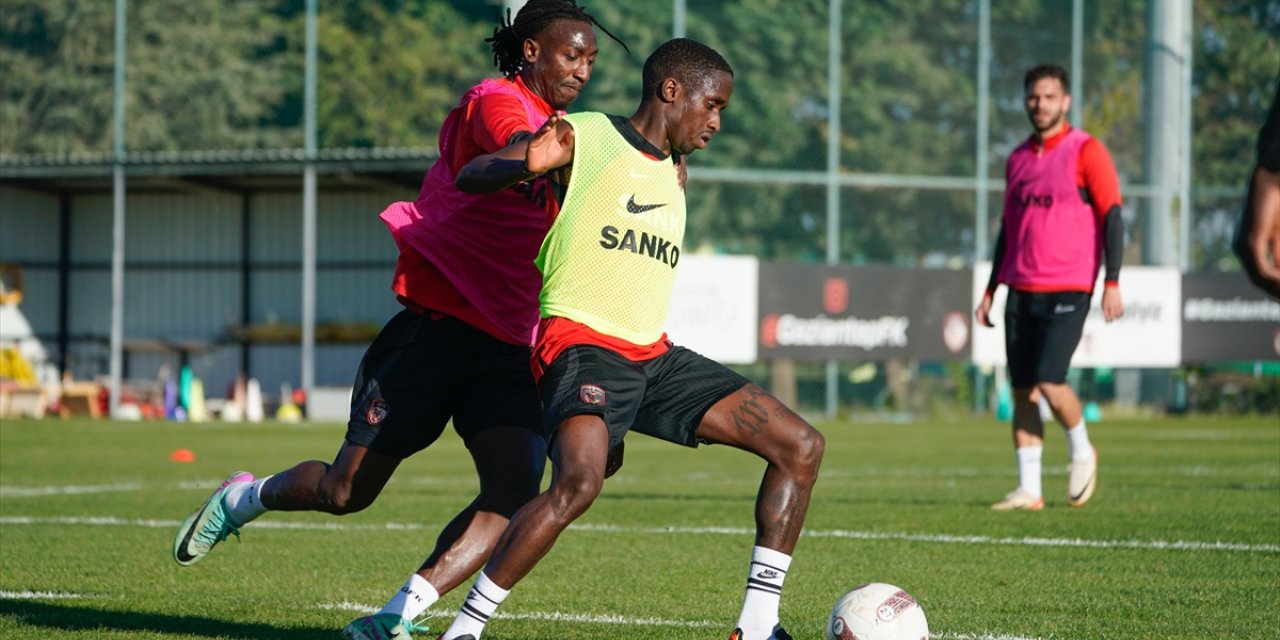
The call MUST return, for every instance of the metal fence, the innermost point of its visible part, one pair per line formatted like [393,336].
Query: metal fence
[890,150]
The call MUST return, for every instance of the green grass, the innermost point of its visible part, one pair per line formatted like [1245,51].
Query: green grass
[1182,539]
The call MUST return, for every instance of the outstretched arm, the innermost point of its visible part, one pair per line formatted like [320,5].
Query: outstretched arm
[550,148]
[1262,257]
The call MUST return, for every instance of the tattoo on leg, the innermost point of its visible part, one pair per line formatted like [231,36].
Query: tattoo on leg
[751,416]
[784,412]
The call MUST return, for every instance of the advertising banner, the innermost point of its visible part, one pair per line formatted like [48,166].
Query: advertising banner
[1225,318]
[1149,334]
[713,307]
[820,312]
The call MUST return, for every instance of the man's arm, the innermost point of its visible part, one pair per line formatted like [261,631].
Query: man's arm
[550,148]
[1103,186]
[1262,234]
[1259,232]
[983,312]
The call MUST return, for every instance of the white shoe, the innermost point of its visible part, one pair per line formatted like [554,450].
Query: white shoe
[1019,499]
[1083,479]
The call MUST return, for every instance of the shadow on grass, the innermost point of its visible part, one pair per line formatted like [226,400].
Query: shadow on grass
[53,619]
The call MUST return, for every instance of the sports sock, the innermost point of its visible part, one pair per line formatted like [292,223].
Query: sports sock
[1029,469]
[764,589]
[481,602]
[1078,442]
[412,599]
[243,500]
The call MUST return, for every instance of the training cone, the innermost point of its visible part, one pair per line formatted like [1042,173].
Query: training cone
[182,455]
[1004,404]
[196,411]
[253,410]
[1092,412]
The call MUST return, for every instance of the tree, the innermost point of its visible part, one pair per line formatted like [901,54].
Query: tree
[200,75]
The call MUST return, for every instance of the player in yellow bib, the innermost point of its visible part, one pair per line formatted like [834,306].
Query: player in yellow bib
[603,362]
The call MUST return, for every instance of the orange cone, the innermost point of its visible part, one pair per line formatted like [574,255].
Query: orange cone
[182,455]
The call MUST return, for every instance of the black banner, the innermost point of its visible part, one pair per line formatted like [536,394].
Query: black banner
[1225,318]
[820,312]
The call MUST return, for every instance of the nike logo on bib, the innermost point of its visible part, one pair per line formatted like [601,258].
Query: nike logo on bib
[632,207]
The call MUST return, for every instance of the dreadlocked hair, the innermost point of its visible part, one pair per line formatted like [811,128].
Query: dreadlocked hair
[508,39]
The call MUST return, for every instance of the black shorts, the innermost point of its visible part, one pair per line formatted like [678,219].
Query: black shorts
[1041,332]
[665,397]
[421,372]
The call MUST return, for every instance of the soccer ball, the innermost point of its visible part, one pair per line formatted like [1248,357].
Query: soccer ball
[877,611]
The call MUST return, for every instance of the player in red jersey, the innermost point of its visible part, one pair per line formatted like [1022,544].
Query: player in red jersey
[460,348]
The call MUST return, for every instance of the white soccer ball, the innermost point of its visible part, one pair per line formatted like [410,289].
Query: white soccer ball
[877,611]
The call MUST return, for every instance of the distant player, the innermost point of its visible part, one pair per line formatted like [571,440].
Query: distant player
[1061,223]
[460,348]
[605,364]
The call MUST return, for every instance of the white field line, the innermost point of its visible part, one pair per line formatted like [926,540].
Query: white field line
[1263,471]
[551,616]
[1176,545]
[120,487]
[43,595]
[585,618]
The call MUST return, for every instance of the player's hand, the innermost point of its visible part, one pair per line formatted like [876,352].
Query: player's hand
[1112,305]
[614,461]
[551,147]
[983,313]
[1264,233]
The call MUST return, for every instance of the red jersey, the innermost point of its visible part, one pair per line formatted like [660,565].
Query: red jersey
[471,256]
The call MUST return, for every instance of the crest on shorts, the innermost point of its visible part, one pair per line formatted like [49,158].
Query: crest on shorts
[377,412]
[591,394]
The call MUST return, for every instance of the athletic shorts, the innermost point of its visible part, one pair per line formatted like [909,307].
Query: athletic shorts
[665,397]
[1041,332]
[421,371]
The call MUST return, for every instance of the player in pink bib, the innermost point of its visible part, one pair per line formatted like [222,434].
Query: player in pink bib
[1061,222]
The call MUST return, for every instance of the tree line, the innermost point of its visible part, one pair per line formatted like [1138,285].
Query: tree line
[228,74]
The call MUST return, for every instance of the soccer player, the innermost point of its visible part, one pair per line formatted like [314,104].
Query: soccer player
[1259,231]
[604,363]
[1061,217]
[460,348]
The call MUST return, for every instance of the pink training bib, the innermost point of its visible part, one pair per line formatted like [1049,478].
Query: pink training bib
[1053,239]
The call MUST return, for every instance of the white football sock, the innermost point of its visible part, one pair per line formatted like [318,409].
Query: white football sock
[764,589]
[243,500]
[1029,469]
[412,599]
[481,602]
[1078,442]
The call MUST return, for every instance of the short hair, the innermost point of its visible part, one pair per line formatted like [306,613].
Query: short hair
[1040,72]
[688,61]
[507,42]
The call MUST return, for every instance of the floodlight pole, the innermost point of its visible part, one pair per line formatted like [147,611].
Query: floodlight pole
[116,346]
[309,211]
[678,14]
[1077,63]
[833,176]
[983,134]
[982,227]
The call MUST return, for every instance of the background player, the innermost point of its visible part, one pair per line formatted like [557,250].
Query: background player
[1061,216]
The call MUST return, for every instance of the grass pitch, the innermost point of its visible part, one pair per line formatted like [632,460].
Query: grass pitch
[1182,539]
